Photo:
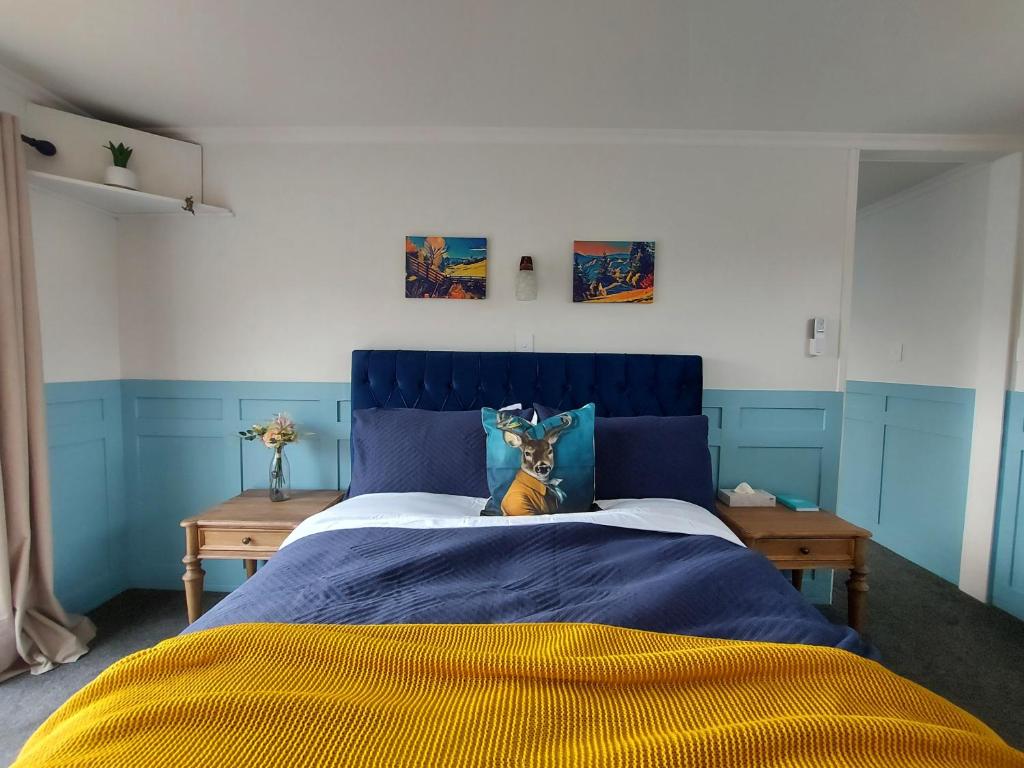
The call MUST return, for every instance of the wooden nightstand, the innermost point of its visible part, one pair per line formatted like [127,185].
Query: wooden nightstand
[804,540]
[249,527]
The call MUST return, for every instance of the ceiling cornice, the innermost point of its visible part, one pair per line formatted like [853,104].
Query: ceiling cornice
[32,92]
[922,188]
[871,142]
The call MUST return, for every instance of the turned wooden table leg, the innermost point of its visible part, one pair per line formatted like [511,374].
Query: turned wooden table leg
[798,579]
[857,586]
[194,572]
[250,568]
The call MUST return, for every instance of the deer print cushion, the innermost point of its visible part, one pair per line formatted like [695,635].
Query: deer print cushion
[539,469]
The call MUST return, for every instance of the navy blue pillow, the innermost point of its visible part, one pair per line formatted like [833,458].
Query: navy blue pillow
[404,450]
[651,457]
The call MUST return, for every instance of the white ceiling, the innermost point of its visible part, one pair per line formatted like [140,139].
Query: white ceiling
[879,180]
[921,66]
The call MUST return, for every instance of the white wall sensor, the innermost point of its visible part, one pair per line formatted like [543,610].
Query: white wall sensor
[816,342]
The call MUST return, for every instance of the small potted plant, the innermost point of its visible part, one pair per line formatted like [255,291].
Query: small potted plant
[276,434]
[118,175]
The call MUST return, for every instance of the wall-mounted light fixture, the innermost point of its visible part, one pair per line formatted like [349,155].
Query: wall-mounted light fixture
[526,280]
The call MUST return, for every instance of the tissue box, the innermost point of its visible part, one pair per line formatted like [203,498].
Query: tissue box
[756,499]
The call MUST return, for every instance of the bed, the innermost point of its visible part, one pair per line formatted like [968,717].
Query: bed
[402,627]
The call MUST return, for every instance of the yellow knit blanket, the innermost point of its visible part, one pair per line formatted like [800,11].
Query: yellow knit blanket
[502,695]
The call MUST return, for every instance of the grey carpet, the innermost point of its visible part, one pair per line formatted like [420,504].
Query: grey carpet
[133,620]
[927,630]
[934,634]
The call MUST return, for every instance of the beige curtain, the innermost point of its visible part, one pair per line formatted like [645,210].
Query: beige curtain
[35,633]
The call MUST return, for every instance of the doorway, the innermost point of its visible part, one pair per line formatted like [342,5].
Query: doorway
[934,311]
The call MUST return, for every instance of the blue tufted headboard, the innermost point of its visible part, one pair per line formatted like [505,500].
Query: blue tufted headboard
[619,385]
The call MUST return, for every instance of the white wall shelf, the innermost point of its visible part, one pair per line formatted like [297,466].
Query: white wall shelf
[116,200]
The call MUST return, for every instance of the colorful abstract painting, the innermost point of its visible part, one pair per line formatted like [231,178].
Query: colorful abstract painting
[613,271]
[445,267]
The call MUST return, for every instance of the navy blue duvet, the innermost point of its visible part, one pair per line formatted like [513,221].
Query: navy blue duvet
[573,572]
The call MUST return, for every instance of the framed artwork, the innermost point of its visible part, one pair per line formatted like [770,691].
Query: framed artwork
[445,267]
[613,271]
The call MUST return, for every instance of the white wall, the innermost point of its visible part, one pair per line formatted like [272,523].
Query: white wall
[749,247]
[11,101]
[918,281]
[76,266]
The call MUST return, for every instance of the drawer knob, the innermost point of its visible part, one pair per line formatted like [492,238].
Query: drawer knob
[805,550]
[247,540]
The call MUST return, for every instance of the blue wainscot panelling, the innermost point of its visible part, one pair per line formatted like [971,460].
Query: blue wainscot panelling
[1008,560]
[183,455]
[87,489]
[906,455]
[782,441]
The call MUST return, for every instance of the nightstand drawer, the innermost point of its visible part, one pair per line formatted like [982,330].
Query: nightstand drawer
[240,539]
[811,550]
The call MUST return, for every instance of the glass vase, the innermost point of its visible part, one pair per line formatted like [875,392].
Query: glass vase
[280,476]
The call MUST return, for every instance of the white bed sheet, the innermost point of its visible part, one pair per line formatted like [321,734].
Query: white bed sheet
[435,510]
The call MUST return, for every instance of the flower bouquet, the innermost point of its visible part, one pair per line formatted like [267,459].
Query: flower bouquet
[276,434]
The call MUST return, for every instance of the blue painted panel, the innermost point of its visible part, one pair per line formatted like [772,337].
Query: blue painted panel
[87,490]
[314,459]
[1016,539]
[259,409]
[861,439]
[345,411]
[763,444]
[343,448]
[179,477]
[209,408]
[187,456]
[1008,558]
[344,463]
[863,406]
[923,498]
[75,412]
[783,419]
[906,455]
[716,455]
[312,464]
[783,441]
[182,454]
[80,511]
[780,469]
[714,415]
[939,417]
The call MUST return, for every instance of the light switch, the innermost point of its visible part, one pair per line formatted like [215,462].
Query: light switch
[524,341]
[895,353]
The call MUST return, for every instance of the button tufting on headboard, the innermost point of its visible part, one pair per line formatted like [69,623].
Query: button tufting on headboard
[619,385]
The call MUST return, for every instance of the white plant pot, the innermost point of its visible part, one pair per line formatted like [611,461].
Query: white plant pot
[120,177]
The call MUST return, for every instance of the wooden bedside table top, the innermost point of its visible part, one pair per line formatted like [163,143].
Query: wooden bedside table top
[780,522]
[254,508]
